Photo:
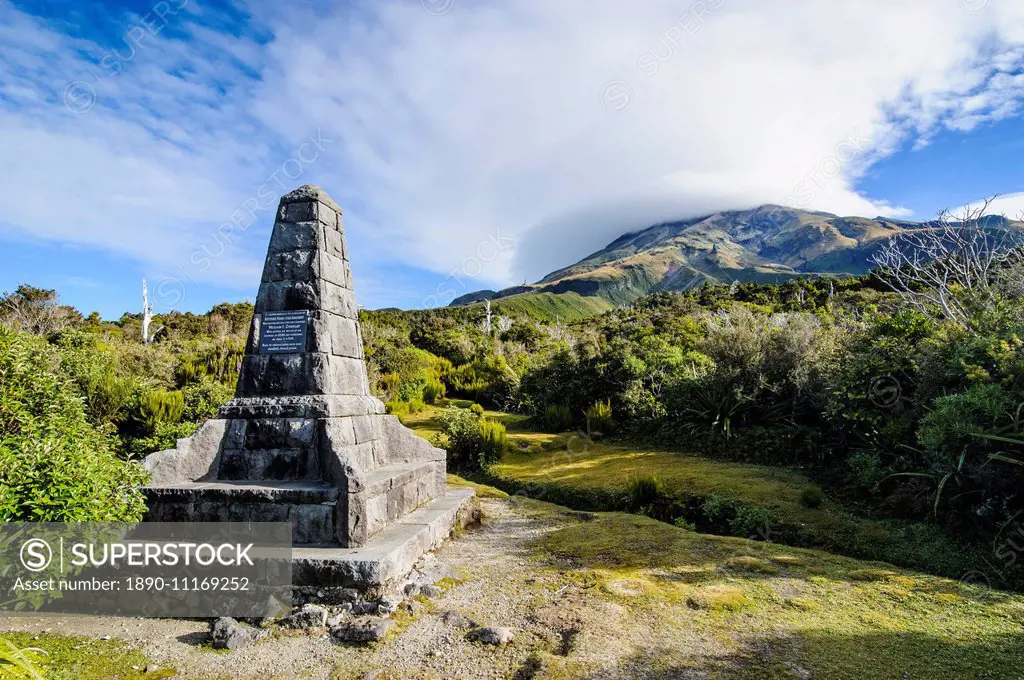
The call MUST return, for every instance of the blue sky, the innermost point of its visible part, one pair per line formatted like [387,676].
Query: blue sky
[474,143]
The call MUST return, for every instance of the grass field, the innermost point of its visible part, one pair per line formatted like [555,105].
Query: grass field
[751,500]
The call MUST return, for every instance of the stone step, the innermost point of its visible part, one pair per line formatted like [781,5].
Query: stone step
[381,480]
[308,506]
[268,464]
[389,493]
[260,491]
[390,555]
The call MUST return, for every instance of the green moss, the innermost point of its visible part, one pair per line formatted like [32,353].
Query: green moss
[838,618]
[79,658]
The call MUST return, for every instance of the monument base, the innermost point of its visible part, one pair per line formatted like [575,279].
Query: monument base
[377,568]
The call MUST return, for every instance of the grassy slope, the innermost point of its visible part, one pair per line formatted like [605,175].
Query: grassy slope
[570,469]
[782,612]
[562,307]
[79,658]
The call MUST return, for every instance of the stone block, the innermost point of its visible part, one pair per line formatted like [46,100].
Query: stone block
[304,211]
[328,215]
[337,300]
[367,428]
[346,376]
[334,243]
[290,265]
[300,236]
[279,433]
[195,458]
[269,464]
[332,268]
[346,337]
[252,343]
[235,437]
[275,374]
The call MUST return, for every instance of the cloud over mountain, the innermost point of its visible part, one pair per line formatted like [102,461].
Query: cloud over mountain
[561,124]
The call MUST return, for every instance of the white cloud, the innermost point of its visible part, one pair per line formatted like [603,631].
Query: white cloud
[1010,205]
[491,115]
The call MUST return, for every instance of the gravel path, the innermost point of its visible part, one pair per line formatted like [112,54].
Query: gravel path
[501,587]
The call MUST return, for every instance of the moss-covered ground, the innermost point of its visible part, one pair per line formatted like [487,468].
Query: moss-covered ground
[63,657]
[715,496]
[778,612]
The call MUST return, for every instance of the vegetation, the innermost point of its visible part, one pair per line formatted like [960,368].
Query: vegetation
[55,465]
[891,402]
[59,657]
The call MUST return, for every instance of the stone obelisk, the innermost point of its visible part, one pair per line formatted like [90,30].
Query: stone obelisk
[303,440]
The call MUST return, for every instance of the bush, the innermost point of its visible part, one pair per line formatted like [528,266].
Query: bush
[495,442]
[54,465]
[416,405]
[165,437]
[204,399]
[157,407]
[477,410]
[433,390]
[397,408]
[557,419]
[644,491]
[599,418]
[461,437]
[811,497]
[473,443]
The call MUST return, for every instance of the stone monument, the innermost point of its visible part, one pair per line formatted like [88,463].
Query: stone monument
[304,441]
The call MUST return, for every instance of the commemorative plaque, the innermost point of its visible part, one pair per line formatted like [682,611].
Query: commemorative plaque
[283,332]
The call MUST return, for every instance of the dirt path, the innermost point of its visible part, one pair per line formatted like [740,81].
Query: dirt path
[505,584]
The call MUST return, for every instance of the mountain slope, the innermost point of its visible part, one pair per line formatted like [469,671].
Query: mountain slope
[766,244]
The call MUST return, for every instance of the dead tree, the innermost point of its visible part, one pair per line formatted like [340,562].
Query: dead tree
[950,265]
[147,316]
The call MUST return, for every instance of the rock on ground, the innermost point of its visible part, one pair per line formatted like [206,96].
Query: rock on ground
[226,633]
[309,616]
[370,629]
[491,635]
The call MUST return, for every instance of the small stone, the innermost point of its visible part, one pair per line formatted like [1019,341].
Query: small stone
[389,604]
[309,616]
[373,675]
[226,633]
[411,589]
[457,620]
[491,635]
[370,629]
[432,592]
[335,621]
[151,668]
[362,608]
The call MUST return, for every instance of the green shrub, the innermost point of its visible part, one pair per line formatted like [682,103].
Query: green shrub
[811,497]
[477,410]
[160,407]
[165,437]
[644,491]
[397,408]
[753,521]
[204,399]
[433,390]
[54,465]
[106,398]
[557,418]
[472,442]
[599,418]
[416,405]
[495,441]
[189,373]
[461,436]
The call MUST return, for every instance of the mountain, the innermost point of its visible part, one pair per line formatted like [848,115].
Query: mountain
[767,244]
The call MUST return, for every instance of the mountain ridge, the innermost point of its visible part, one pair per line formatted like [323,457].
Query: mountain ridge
[766,244]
